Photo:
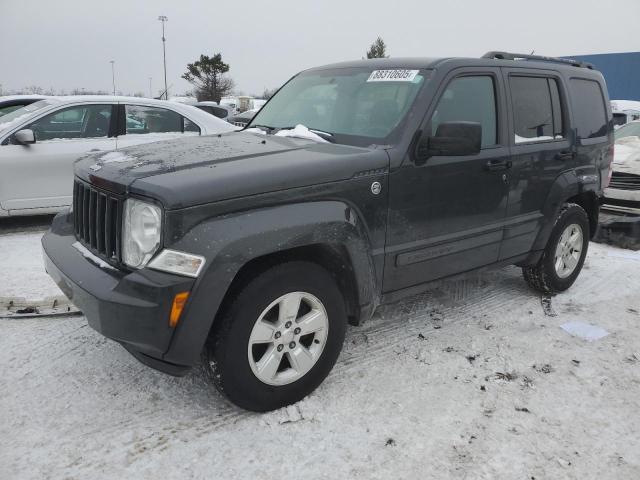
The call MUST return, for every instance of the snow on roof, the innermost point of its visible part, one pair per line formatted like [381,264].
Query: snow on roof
[22,97]
[625,106]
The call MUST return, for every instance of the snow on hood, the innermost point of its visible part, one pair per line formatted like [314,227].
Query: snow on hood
[626,157]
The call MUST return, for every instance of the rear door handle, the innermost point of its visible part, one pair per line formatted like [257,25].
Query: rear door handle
[564,156]
[496,165]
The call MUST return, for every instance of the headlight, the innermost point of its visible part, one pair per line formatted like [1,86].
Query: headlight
[141,229]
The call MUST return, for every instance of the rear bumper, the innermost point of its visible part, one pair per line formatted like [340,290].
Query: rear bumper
[130,307]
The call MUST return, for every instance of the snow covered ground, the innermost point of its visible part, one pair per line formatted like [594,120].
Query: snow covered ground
[21,268]
[473,379]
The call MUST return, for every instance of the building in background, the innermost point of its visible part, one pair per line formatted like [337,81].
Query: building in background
[620,70]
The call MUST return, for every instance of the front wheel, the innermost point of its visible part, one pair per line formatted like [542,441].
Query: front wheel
[278,338]
[564,255]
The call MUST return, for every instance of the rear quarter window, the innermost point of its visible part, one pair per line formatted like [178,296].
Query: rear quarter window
[589,112]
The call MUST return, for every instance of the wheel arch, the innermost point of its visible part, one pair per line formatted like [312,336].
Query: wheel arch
[334,258]
[329,233]
[568,188]
[590,203]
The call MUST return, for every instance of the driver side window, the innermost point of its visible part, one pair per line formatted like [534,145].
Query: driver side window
[85,121]
[469,99]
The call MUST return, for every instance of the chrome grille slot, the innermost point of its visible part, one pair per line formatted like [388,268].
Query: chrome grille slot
[97,215]
[625,181]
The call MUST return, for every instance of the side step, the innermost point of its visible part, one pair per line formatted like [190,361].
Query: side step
[19,307]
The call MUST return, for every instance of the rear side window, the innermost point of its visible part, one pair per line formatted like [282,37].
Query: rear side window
[537,110]
[470,99]
[588,108]
[142,119]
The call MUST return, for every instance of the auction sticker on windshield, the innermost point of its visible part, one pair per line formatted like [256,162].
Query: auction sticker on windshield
[392,76]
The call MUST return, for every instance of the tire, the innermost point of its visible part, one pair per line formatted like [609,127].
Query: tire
[258,312]
[546,276]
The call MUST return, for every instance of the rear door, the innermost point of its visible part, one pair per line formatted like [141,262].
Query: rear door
[40,175]
[541,147]
[145,124]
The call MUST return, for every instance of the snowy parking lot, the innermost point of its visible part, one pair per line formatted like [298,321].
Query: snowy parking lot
[473,379]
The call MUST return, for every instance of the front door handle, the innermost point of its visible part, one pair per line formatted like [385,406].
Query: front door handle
[496,165]
[564,156]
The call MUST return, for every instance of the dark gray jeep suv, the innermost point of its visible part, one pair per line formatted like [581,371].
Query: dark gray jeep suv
[355,185]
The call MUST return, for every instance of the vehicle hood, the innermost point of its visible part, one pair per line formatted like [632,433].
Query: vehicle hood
[196,170]
[626,156]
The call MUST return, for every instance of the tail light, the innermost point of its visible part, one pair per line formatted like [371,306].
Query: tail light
[610,158]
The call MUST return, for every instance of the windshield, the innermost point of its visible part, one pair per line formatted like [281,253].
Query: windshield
[9,109]
[23,113]
[628,130]
[356,106]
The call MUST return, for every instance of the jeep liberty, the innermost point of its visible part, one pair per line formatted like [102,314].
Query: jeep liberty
[355,185]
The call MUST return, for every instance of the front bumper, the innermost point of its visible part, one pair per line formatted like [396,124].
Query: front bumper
[132,308]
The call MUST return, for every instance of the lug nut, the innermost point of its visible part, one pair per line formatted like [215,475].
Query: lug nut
[297,331]
[287,325]
[280,347]
[277,335]
[292,345]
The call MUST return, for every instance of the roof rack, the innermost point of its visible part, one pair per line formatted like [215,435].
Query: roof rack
[524,56]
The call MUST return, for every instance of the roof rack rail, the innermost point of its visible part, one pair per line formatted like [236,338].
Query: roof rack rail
[524,56]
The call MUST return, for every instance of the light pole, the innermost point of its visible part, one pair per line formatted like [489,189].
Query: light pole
[163,19]
[113,75]
[150,89]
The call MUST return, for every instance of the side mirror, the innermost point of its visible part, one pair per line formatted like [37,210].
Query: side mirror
[451,138]
[24,137]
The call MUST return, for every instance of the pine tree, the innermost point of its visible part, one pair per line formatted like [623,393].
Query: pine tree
[378,49]
[208,75]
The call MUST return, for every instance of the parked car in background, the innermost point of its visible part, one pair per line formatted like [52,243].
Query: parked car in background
[40,142]
[242,119]
[622,196]
[356,185]
[10,103]
[625,111]
[221,111]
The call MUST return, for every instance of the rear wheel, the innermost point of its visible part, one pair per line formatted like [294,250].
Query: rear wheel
[278,338]
[564,255]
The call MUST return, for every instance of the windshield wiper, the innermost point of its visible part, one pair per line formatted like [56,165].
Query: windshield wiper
[326,135]
[263,126]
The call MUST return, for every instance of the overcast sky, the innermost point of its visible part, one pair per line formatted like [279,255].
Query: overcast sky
[67,44]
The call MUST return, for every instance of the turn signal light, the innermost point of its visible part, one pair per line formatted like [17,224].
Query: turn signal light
[176,309]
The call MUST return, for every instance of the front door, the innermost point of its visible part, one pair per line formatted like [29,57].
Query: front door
[446,216]
[40,175]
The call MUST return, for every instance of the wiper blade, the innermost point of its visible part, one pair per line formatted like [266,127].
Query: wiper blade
[263,126]
[321,133]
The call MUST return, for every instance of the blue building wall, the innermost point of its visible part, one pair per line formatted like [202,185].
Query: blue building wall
[620,70]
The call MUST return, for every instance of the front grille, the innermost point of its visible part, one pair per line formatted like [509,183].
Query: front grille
[625,181]
[97,216]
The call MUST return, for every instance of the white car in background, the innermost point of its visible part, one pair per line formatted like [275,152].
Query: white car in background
[40,142]
[622,196]
[624,111]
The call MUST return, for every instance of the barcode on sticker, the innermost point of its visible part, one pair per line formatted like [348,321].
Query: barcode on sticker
[392,75]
